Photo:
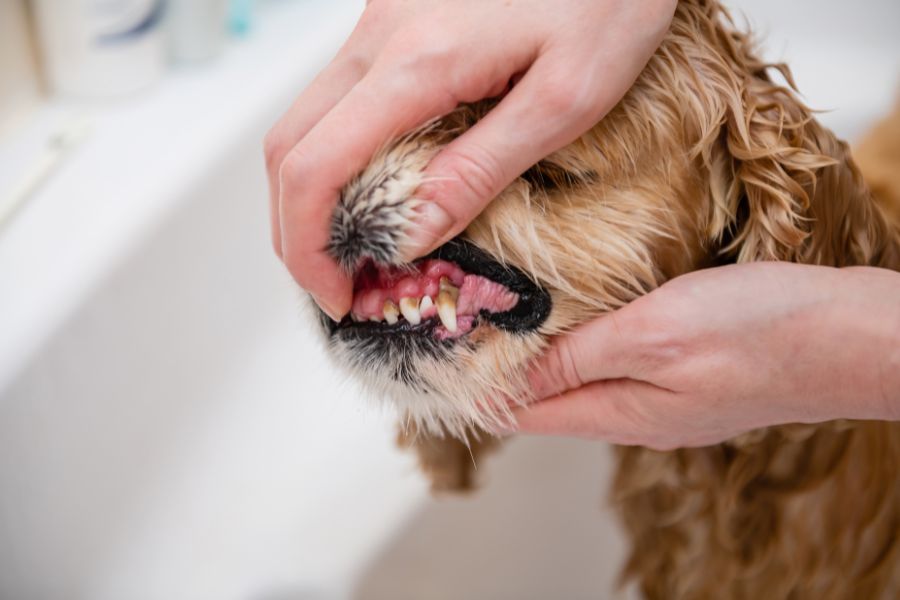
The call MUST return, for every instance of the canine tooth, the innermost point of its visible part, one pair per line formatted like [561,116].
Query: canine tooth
[425,304]
[391,312]
[409,308]
[447,286]
[446,309]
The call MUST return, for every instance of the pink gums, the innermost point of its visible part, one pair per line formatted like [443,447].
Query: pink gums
[375,285]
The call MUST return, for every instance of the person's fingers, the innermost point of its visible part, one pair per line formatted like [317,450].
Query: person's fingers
[337,148]
[317,167]
[557,100]
[349,65]
[608,347]
[321,96]
[323,93]
[616,411]
[621,411]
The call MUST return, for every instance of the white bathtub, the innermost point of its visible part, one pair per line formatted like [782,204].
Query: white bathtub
[168,426]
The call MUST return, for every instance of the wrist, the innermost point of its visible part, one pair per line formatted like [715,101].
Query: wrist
[870,310]
[889,365]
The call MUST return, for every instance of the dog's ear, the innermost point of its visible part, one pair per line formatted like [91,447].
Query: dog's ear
[783,187]
[762,173]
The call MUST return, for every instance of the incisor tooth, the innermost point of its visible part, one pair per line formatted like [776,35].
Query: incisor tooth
[425,304]
[409,308]
[391,312]
[447,286]
[446,309]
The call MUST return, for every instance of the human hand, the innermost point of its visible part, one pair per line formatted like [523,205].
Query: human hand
[409,61]
[720,352]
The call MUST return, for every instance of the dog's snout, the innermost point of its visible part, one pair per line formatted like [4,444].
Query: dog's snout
[378,207]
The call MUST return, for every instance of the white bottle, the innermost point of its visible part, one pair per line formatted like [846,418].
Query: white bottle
[196,29]
[19,91]
[100,48]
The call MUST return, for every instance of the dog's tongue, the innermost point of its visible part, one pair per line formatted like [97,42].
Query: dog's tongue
[435,288]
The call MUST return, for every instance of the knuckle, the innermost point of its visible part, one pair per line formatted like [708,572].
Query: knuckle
[354,63]
[422,46]
[477,172]
[659,341]
[666,346]
[568,367]
[572,98]
[293,171]
[559,370]
[275,147]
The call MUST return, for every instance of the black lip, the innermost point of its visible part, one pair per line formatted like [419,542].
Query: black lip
[528,314]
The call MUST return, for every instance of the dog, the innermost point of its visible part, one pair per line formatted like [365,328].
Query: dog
[709,159]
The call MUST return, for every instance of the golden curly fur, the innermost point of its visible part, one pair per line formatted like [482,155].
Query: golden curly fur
[707,160]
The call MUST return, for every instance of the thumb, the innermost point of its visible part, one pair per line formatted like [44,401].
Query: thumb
[535,119]
[606,348]
[614,411]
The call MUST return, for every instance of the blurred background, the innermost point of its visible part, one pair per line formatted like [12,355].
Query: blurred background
[169,428]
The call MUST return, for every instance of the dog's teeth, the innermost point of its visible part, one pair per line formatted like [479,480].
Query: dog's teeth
[447,286]
[409,308]
[375,319]
[425,304]
[391,312]
[355,317]
[446,309]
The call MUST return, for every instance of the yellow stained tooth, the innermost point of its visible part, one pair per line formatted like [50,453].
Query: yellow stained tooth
[446,309]
[391,312]
[409,308]
[447,286]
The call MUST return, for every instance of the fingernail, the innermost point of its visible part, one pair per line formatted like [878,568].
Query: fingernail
[430,225]
[334,314]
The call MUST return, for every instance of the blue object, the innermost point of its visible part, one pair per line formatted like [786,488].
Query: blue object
[240,16]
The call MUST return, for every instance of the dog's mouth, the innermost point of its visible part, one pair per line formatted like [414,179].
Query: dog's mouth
[444,296]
